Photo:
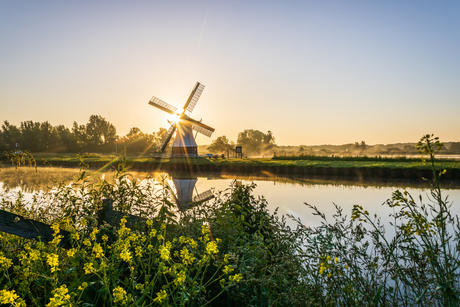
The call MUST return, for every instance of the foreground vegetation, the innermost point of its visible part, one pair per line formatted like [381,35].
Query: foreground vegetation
[232,252]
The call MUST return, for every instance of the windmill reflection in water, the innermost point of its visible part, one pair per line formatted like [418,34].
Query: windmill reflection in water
[186,195]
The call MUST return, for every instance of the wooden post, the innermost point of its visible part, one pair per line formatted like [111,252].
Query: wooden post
[17,225]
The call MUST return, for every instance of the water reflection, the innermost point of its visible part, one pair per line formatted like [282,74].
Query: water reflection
[288,193]
[186,192]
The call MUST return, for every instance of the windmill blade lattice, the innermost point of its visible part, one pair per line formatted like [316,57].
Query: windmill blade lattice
[160,104]
[203,130]
[205,196]
[194,96]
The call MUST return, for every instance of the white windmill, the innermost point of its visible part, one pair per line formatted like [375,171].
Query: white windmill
[184,143]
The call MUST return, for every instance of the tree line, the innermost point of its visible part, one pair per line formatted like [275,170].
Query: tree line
[97,135]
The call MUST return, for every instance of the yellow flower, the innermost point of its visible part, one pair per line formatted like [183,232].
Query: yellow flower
[138,250]
[60,297]
[226,258]
[5,263]
[56,239]
[236,277]
[204,229]
[153,233]
[55,227]
[336,260]
[165,251]
[228,269]
[87,242]
[119,294]
[8,297]
[125,255]
[192,243]
[105,238]
[83,286]
[187,258]
[97,249]
[161,296]
[83,222]
[93,234]
[53,261]
[139,286]
[71,252]
[34,255]
[88,267]
[149,223]
[180,278]
[211,248]
[75,236]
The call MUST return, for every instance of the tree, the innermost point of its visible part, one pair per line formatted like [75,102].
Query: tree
[255,141]
[9,136]
[455,147]
[221,145]
[79,134]
[30,135]
[100,133]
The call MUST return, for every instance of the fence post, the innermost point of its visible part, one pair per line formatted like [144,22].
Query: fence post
[106,213]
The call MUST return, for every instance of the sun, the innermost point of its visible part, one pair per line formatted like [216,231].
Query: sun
[174,117]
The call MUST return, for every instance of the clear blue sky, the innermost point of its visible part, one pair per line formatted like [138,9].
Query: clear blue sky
[312,72]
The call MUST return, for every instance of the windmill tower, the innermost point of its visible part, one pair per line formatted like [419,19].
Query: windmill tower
[184,143]
[184,197]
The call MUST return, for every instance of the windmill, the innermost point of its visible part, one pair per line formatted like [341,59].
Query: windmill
[184,198]
[184,143]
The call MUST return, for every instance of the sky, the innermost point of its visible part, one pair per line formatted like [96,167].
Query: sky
[312,72]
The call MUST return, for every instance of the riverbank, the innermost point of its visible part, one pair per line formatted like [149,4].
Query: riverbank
[357,169]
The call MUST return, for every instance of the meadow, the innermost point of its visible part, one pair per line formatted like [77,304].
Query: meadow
[229,252]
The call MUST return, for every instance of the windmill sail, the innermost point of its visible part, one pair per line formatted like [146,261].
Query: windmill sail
[160,104]
[194,96]
[167,137]
[203,129]
[202,197]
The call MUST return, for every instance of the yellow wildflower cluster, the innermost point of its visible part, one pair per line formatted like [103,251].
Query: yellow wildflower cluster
[164,251]
[60,297]
[10,297]
[187,257]
[236,277]
[180,278]
[161,296]
[53,262]
[119,295]
[323,266]
[88,267]
[211,248]
[5,263]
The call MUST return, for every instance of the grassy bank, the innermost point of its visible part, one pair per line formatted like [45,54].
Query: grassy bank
[355,168]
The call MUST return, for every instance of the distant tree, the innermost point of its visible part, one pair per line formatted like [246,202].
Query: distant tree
[455,147]
[100,133]
[49,139]
[359,146]
[30,136]
[255,141]
[80,137]
[137,141]
[221,145]
[9,136]
[409,148]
